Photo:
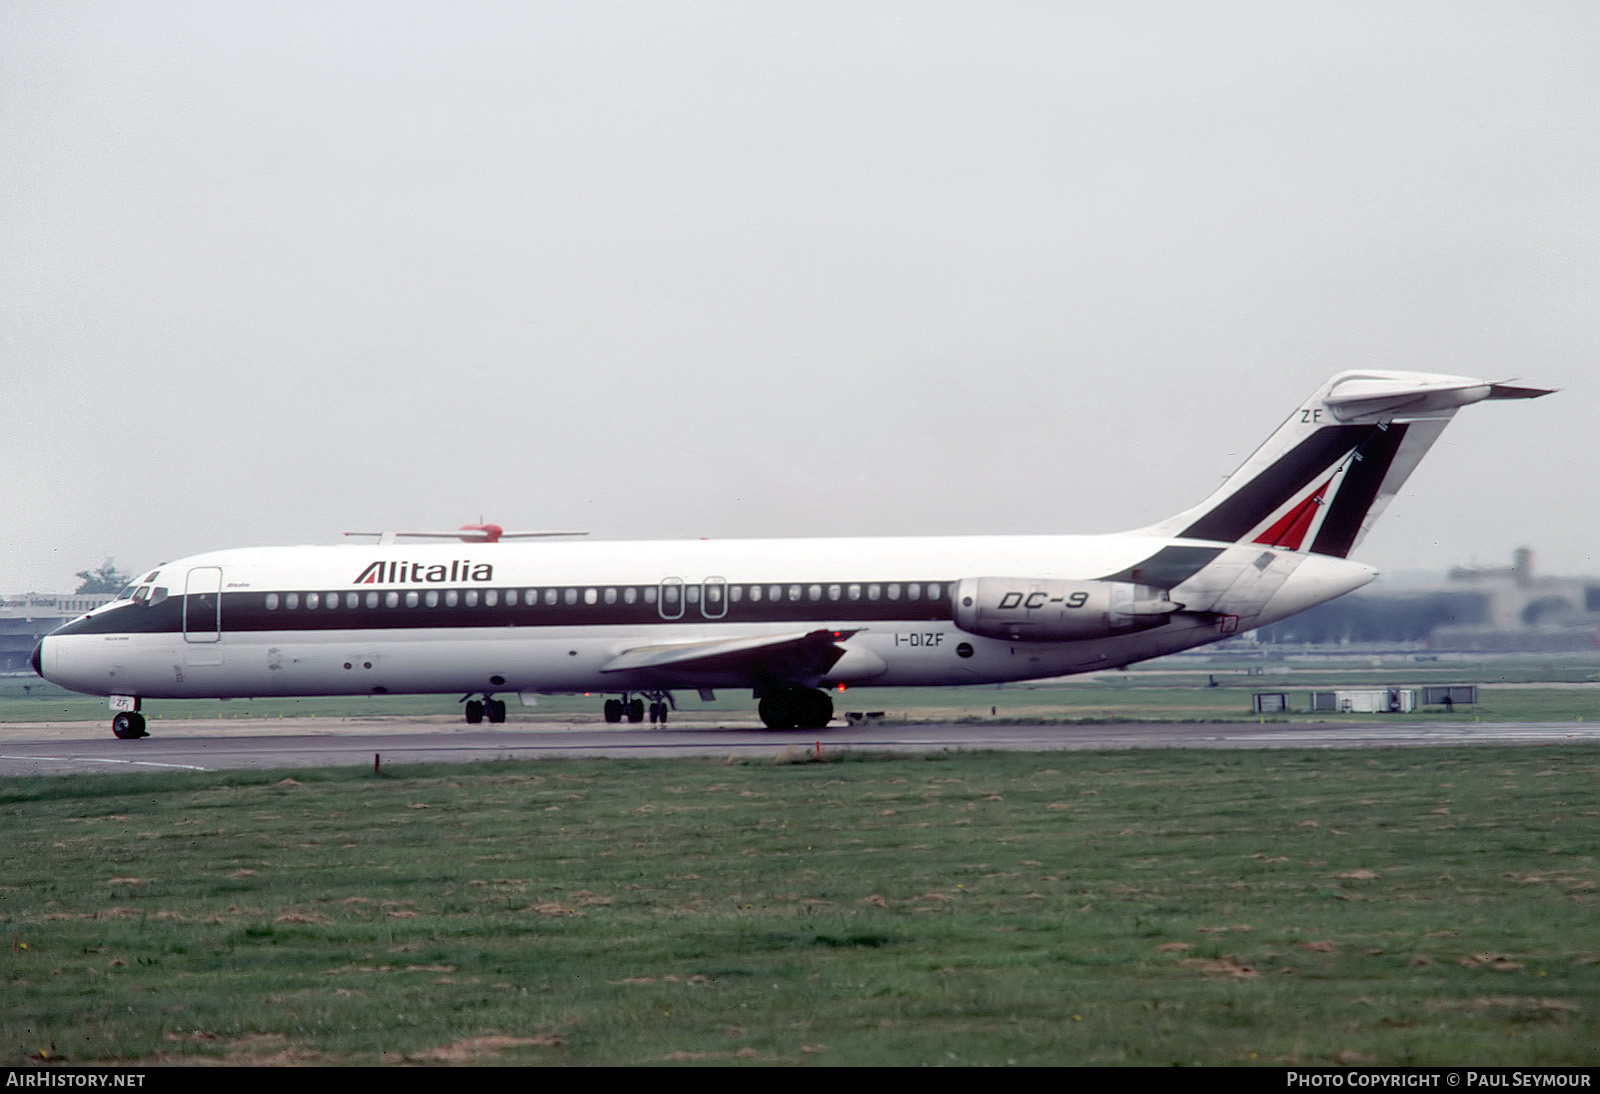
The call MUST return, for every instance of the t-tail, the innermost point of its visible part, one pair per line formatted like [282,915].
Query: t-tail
[1319,483]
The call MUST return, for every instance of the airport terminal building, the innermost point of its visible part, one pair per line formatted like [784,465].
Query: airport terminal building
[27,617]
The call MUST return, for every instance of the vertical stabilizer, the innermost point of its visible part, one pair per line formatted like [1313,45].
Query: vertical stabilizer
[1321,480]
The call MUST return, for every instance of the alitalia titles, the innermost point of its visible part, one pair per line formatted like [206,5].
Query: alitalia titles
[387,572]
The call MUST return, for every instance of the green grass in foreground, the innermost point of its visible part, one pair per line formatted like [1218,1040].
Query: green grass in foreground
[1400,907]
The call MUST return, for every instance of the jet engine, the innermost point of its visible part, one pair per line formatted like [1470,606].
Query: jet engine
[1030,609]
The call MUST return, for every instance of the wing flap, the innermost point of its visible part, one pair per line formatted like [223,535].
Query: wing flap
[784,656]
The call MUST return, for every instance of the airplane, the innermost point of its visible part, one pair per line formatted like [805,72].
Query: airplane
[787,618]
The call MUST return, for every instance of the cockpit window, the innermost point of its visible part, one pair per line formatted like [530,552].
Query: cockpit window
[126,593]
[141,594]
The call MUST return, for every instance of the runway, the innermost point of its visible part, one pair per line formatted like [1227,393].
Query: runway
[63,748]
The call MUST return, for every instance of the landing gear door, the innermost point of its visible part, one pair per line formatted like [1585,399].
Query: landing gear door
[202,605]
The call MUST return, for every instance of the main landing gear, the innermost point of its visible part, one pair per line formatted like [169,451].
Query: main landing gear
[129,726]
[796,708]
[488,707]
[633,708]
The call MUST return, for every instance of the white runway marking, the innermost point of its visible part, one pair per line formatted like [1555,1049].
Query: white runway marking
[104,760]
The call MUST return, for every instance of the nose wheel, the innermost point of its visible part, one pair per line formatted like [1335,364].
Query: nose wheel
[129,726]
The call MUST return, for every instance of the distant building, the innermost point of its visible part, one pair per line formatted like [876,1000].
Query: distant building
[27,617]
[1493,609]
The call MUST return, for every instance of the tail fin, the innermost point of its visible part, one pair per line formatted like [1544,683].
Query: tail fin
[1321,480]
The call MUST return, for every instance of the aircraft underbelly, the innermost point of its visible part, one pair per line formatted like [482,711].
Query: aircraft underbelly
[571,659]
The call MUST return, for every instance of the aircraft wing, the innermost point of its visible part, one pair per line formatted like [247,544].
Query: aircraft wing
[792,656]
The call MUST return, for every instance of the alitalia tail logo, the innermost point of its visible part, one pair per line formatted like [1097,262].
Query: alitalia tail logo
[385,572]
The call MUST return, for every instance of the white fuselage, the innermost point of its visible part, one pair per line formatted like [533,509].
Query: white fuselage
[585,616]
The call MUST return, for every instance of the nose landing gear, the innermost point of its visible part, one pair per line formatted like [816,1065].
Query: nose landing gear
[129,726]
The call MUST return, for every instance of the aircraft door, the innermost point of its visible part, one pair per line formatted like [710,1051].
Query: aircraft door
[202,616]
[202,605]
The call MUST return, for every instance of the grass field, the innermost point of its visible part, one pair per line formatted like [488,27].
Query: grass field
[1397,907]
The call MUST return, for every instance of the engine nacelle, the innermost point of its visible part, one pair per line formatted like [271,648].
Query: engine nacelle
[1031,609]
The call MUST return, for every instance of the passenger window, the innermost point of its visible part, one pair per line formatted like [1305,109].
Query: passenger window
[794,593]
[331,600]
[431,598]
[629,595]
[650,594]
[472,598]
[272,602]
[854,592]
[411,599]
[391,599]
[914,591]
[372,600]
[611,596]
[755,594]
[312,600]
[873,592]
[291,601]
[834,592]
[894,592]
[511,598]
[569,596]
[351,600]
[550,597]
[451,598]
[735,593]
[814,593]
[491,597]
[591,596]
[774,593]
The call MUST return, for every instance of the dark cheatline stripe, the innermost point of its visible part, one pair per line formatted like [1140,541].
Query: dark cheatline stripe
[247,611]
[1357,492]
[1292,472]
[1168,567]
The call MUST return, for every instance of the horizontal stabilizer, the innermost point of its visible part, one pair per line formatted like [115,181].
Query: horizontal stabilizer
[1509,391]
[1409,394]
[1322,479]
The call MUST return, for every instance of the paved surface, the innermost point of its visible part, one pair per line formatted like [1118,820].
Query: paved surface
[58,748]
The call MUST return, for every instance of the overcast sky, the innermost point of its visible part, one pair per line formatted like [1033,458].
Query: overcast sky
[269,272]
